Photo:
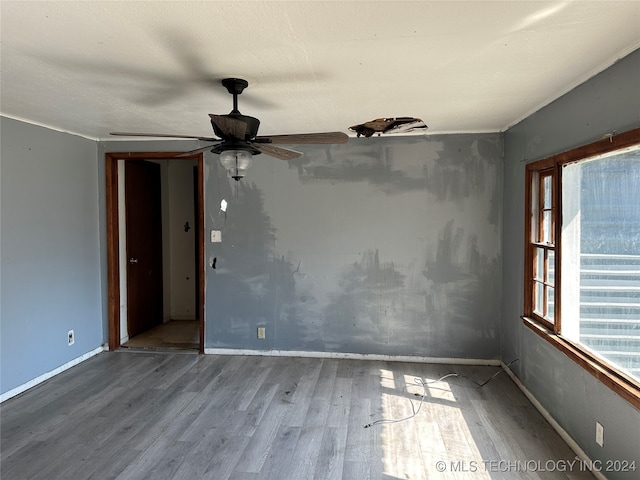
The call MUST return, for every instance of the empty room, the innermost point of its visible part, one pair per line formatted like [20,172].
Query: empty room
[304,240]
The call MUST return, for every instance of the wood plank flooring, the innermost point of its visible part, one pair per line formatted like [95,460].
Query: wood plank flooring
[152,415]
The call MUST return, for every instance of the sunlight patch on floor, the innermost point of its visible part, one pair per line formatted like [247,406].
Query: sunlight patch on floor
[438,432]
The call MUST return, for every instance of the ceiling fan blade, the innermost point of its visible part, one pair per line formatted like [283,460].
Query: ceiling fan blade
[193,152]
[278,152]
[231,127]
[305,138]
[164,135]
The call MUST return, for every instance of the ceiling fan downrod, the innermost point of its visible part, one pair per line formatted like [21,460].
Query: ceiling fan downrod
[235,86]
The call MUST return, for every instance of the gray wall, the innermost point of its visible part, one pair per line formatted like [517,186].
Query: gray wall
[608,102]
[50,276]
[385,245]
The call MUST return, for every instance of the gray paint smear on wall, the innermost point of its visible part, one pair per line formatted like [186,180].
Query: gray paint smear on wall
[381,246]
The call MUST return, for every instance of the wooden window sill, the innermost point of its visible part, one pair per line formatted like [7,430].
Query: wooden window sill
[623,385]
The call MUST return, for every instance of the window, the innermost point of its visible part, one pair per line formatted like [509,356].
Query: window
[582,257]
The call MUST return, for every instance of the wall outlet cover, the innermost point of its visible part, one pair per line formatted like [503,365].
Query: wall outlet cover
[599,434]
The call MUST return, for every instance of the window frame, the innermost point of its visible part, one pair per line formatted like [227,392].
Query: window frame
[551,328]
[536,235]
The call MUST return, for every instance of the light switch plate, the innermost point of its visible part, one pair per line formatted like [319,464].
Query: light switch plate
[216,236]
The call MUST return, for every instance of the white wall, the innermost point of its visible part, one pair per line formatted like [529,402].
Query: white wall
[182,253]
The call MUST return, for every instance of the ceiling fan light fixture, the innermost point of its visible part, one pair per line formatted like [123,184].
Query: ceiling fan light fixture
[236,162]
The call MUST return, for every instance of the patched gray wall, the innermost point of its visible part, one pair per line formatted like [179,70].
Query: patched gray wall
[379,246]
[51,250]
[609,102]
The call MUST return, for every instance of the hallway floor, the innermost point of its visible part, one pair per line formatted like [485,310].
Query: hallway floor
[171,335]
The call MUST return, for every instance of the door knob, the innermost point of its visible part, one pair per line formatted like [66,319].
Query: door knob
[133,260]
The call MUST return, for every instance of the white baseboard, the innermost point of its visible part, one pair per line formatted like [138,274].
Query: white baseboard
[351,356]
[32,383]
[556,426]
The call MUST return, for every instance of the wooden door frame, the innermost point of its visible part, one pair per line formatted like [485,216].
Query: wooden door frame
[113,238]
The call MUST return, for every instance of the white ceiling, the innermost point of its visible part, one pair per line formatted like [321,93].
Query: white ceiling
[94,67]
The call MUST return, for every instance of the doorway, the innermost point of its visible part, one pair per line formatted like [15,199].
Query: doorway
[153,302]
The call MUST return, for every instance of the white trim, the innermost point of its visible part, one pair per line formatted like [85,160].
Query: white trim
[352,356]
[47,126]
[32,383]
[556,426]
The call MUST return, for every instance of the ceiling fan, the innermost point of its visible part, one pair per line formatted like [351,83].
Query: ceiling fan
[238,137]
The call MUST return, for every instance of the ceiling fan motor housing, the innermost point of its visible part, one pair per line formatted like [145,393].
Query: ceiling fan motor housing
[252,125]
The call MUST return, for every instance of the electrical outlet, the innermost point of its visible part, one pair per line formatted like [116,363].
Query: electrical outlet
[261,332]
[70,337]
[599,434]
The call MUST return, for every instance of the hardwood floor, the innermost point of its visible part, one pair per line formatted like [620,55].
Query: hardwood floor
[151,415]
